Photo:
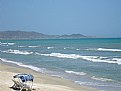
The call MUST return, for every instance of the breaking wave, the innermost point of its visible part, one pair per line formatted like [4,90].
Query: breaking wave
[18,52]
[104,49]
[29,46]
[33,46]
[23,65]
[68,48]
[76,73]
[50,47]
[97,84]
[101,79]
[88,58]
[21,46]
[7,44]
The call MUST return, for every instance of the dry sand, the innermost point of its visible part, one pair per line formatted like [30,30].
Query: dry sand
[42,82]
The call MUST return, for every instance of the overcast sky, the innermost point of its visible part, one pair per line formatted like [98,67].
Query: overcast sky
[88,17]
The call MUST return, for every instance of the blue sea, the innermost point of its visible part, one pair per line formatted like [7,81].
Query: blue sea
[93,62]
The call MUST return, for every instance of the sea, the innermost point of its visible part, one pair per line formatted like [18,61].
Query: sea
[92,62]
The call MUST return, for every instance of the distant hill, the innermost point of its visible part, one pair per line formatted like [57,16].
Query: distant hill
[23,35]
[35,35]
[73,36]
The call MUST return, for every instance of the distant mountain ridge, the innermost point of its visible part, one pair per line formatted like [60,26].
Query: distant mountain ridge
[73,36]
[35,35]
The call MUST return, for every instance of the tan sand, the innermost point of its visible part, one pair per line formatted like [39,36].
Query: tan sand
[42,82]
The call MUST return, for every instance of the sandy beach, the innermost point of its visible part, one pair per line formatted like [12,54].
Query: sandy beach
[42,82]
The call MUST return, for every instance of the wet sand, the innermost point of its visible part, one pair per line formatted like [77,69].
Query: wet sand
[42,82]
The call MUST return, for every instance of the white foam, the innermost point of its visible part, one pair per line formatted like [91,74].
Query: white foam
[86,83]
[23,65]
[11,43]
[29,46]
[33,46]
[73,56]
[88,58]
[21,46]
[118,60]
[95,84]
[96,59]
[104,49]
[4,43]
[50,47]
[7,43]
[68,48]
[101,79]
[64,48]
[91,49]
[18,52]
[76,73]
[77,49]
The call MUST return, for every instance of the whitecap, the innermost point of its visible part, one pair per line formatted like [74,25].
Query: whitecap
[33,46]
[74,56]
[100,79]
[64,48]
[91,49]
[77,49]
[104,49]
[76,73]
[7,43]
[11,43]
[18,52]
[70,48]
[21,46]
[118,60]
[99,59]
[4,43]
[50,47]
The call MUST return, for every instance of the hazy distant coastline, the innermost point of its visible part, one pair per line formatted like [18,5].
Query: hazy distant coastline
[36,35]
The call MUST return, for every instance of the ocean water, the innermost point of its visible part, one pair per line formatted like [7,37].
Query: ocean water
[90,62]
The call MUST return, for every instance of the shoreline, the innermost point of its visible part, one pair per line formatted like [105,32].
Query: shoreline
[42,82]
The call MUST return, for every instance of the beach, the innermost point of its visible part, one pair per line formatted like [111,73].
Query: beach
[42,82]
[68,64]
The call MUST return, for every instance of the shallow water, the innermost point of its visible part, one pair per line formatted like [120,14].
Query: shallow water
[91,62]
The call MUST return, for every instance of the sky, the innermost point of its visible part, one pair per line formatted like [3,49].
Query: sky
[87,17]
